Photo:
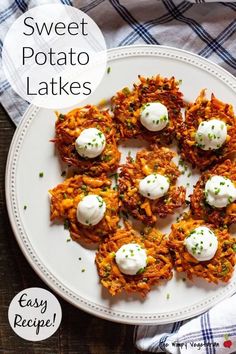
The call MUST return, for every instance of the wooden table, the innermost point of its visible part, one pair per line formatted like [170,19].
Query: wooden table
[79,333]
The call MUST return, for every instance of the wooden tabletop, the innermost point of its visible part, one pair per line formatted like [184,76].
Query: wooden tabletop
[79,333]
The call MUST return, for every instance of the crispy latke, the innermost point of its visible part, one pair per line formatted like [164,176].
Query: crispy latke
[202,110]
[159,264]
[66,196]
[201,209]
[155,160]
[219,268]
[69,127]
[127,106]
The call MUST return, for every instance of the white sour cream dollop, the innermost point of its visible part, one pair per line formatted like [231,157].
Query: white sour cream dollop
[154,116]
[154,186]
[219,191]
[211,134]
[91,210]
[90,143]
[131,258]
[201,243]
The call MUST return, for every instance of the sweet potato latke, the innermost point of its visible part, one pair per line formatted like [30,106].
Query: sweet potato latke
[69,127]
[127,106]
[159,264]
[219,268]
[66,196]
[155,160]
[201,110]
[201,209]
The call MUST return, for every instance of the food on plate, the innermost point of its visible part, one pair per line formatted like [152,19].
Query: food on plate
[133,261]
[154,116]
[90,143]
[91,210]
[154,186]
[211,134]
[88,205]
[130,258]
[208,133]
[214,195]
[202,249]
[199,244]
[152,109]
[147,185]
[86,138]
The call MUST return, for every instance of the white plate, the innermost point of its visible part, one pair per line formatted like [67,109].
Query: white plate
[44,245]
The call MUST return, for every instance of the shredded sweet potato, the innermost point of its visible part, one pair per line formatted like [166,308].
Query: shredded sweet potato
[199,206]
[66,196]
[69,127]
[219,268]
[159,265]
[201,110]
[155,160]
[127,106]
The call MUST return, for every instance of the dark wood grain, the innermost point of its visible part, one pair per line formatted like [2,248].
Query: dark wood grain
[79,333]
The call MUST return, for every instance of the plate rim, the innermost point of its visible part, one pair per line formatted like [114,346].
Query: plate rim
[31,254]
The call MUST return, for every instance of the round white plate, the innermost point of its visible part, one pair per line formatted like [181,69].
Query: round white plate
[60,263]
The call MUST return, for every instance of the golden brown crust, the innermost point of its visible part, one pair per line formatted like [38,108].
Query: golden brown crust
[199,206]
[219,268]
[203,109]
[66,196]
[159,265]
[69,127]
[127,106]
[155,160]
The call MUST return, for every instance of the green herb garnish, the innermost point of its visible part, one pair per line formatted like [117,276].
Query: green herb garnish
[61,116]
[140,271]
[66,224]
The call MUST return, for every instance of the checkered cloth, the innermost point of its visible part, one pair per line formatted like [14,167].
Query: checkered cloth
[214,332]
[206,29]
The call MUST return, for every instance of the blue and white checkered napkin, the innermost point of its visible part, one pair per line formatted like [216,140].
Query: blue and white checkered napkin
[214,332]
[206,29]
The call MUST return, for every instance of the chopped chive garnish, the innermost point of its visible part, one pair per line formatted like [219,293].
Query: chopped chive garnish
[66,224]
[126,91]
[61,116]
[140,271]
